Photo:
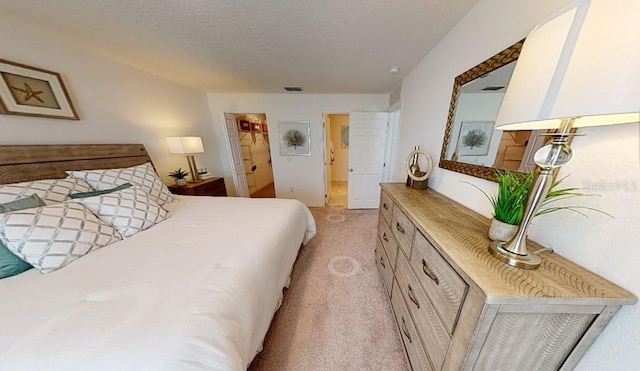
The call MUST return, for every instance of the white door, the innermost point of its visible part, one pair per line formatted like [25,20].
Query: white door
[235,156]
[367,134]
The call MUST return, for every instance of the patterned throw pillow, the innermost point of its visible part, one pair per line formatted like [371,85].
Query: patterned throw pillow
[53,236]
[10,264]
[49,190]
[141,175]
[129,210]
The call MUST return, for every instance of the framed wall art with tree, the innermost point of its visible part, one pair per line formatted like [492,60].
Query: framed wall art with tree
[474,138]
[295,138]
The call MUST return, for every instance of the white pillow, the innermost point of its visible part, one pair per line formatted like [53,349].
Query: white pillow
[129,210]
[141,175]
[53,236]
[49,190]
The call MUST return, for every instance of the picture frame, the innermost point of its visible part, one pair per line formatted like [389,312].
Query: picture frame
[474,138]
[31,91]
[244,125]
[295,138]
[344,137]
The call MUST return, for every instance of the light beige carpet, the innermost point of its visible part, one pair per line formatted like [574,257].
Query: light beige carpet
[335,315]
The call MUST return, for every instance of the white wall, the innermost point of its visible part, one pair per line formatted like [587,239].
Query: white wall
[299,177]
[340,167]
[607,158]
[116,103]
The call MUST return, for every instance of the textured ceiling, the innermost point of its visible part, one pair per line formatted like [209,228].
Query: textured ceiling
[254,46]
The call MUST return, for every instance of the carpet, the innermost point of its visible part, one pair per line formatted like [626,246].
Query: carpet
[336,314]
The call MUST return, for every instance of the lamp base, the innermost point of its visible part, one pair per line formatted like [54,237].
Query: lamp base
[529,261]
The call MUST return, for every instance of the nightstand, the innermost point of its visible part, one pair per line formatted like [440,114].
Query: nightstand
[207,187]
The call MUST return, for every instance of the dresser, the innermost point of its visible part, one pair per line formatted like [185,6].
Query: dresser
[459,308]
[207,187]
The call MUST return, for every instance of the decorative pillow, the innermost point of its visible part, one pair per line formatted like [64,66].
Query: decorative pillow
[98,193]
[49,190]
[141,175]
[129,210]
[10,264]
[53,236]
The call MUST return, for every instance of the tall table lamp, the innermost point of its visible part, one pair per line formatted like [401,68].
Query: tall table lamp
[578,68]
[187,146]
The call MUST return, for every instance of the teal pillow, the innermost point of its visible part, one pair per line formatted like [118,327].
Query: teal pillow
[22,203]
[98,193]
[10,265]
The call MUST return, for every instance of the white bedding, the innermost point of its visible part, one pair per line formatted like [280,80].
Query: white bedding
[195,292]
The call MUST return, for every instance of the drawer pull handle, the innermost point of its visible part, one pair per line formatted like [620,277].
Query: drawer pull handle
[399,228]
[404,329]
[384,237]
[429,273]
[412,297]
[382,262]
[384,206]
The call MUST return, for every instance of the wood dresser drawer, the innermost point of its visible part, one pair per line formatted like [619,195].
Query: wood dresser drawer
[443,285]
[386,207]
[384,267]
[427,323]
[410,339]
[403,230]
[388,242]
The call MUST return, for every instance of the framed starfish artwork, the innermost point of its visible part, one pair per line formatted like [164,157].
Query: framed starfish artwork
[32,91]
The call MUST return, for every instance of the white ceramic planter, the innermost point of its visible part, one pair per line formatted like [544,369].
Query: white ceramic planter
[499,231]
[181,182]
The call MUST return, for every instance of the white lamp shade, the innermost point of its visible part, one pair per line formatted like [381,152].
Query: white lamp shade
[583,62]
[185,145]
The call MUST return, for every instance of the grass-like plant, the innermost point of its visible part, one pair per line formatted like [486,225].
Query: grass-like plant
[179,174]
[513,189]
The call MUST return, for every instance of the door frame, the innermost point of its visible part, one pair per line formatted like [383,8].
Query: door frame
[326,136]
[391,145]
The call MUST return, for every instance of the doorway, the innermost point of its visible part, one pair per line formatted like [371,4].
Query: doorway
[252,139]
[356,152]
[337,158]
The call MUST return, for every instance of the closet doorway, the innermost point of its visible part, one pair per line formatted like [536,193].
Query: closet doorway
[336,129]
[253,138]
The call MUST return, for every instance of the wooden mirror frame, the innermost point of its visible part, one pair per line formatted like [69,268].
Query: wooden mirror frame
[506,56]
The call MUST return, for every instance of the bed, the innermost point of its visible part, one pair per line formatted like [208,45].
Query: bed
[195,291]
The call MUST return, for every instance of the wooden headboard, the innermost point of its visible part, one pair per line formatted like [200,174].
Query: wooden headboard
[32,162]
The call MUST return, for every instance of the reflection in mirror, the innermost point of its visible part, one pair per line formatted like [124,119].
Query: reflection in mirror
[471,145]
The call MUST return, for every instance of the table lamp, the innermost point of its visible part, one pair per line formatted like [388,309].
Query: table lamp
[187,146]
[580,67]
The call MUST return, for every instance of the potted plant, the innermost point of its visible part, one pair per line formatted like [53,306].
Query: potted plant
[509,203]
[180,176]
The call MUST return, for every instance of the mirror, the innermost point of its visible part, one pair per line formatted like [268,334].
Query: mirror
[471,145]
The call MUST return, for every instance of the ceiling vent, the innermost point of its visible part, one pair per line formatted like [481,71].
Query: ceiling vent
[493,88]
[293,88]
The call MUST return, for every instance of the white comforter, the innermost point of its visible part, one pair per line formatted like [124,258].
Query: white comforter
[195,292]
